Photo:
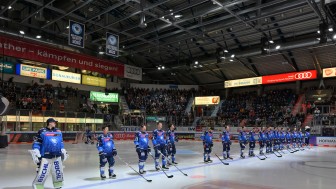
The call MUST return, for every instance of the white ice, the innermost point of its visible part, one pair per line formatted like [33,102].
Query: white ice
[308,169]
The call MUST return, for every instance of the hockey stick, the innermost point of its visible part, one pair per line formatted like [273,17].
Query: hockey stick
[277,154]
[272,152]
[148,180]
[168,176]
[173,164]
[260,157]
[221,160]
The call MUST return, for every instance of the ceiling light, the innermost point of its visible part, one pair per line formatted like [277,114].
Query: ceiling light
[22,32]
[67,27]
[200,66]
[10,7]
[318,31]
[195,66]
[318,38]
[331,29]
[278,47]
[159,68]
[178,16]
[226,51]
[233,55]
[172,14]
[196,62]
[231,60]
[38,36]
[271,41]
[222,57]
[334,37]
[101,52]
[163,67]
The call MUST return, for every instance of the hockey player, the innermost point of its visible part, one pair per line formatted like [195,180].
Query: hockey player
[142,148]
[307,135]
[294,138]
[252,142]
[268,137]
[172,138]
[226,142]
[48,153]
[88,134]
[282,139]
[276,141]
[160,144]
[288,138]
[106,151]
[207,144]
[262,140]
[299,138]
[242,141]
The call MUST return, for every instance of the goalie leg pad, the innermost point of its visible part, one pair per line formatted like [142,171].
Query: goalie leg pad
[42,174]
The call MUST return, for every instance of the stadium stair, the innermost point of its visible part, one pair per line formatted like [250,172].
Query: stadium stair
[215,111]
[189,105]
[308,120]
[124,105]
[297,107]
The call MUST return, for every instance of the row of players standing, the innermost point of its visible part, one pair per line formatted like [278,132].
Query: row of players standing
[163,144]
[274,140]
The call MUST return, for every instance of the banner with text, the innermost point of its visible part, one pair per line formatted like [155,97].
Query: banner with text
[6,67]
[289,77]
[243,82]
[76,34]
[32,71]
[93,81]
[329,72]
[207,100]
[112,44]
[331,141]
[58,75]
[30,50]
[103,97]
[133,72]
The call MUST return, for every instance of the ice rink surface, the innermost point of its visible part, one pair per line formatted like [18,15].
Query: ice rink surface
[308,169]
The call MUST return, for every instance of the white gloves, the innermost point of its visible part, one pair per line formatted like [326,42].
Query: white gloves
[35,155]
[64,154]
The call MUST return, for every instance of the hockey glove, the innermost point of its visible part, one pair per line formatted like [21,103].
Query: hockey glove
[114,152]
[35,155]
[65,154]
[138,149]
[211,145]
[156,147]
[149,149]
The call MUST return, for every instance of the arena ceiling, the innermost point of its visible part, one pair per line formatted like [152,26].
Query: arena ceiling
[229,39]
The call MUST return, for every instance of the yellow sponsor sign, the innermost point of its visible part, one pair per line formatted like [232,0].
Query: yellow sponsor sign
[207,100]
[93,81]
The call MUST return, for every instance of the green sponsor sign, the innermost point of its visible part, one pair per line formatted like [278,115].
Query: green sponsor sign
[6,67]
[155,118]
[102,97]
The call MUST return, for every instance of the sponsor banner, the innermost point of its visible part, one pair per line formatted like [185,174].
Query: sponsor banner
[112,44]
[331,141]
[207,100]
[179,129]
[93,81]
[329,72]
[6,67]
[243,82]
[32,71]
[36,119]
[58,75]
[185,136]
[30,50]
[289,77]
[103,97]
[155,118]
[133,72]
[76,34]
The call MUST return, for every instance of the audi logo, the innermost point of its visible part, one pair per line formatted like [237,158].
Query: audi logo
[303,75]
[134,71]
